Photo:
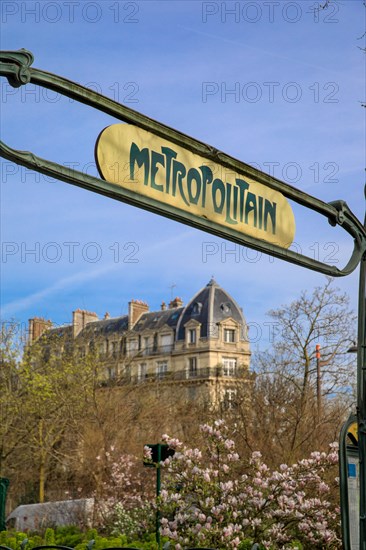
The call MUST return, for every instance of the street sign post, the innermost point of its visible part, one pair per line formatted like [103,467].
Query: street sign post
[349,475]
[244,205]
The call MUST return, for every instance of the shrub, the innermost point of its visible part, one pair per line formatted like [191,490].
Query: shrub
[206,501]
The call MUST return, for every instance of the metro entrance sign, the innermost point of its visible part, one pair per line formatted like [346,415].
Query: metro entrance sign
[16,66]
[154,167]
[147,164]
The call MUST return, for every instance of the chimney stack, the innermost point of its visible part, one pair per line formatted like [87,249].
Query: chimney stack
[136,308]
[36,327]
[177,302]
[80,318]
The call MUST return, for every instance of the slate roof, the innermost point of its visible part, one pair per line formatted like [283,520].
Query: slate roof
[63,334]
[211,305]
[105,327]
[157,319]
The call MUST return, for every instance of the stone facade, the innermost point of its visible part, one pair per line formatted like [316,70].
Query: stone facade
[202,347]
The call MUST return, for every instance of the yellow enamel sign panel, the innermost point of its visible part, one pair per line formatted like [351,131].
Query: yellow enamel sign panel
[158,169]
[353,431]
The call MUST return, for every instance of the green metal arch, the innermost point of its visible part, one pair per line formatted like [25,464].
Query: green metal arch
[16,67]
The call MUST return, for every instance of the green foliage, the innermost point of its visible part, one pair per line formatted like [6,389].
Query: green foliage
[148,544]
[8,539]
[37,540]
[75,538]
[246,545]
[92,534]
[106,542]
[69,535]
[49,536]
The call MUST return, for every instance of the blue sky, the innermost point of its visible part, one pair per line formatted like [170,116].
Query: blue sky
[275,84]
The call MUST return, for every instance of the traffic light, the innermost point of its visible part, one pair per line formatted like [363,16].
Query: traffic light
[159,453]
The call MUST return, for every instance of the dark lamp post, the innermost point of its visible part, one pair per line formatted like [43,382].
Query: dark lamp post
[159,453]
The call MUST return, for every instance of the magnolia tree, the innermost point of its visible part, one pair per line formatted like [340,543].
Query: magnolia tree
[211,499]
[124,499]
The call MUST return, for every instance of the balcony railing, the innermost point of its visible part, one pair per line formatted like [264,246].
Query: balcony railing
[204,373]
[157,350]
[151,350]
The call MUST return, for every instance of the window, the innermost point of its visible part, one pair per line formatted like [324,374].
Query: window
[114,349]
[166,342]
[141,373]
[192,336]
[228,366]
[192,366]
[112,373]
[161,369]
[229,335]
[196,308]
[146,345]
[230,399]
[225,307]
[132,346]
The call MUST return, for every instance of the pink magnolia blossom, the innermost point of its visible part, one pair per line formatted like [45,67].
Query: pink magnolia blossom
[216,507]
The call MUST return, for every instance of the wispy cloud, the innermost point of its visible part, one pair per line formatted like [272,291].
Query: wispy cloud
[73,281]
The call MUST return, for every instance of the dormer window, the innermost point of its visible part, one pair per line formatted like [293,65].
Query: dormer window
[196,308]
[192,336]
[229,335]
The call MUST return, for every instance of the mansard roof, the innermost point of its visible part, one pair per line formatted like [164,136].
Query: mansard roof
[105,327]
[210,306]
[155,320]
